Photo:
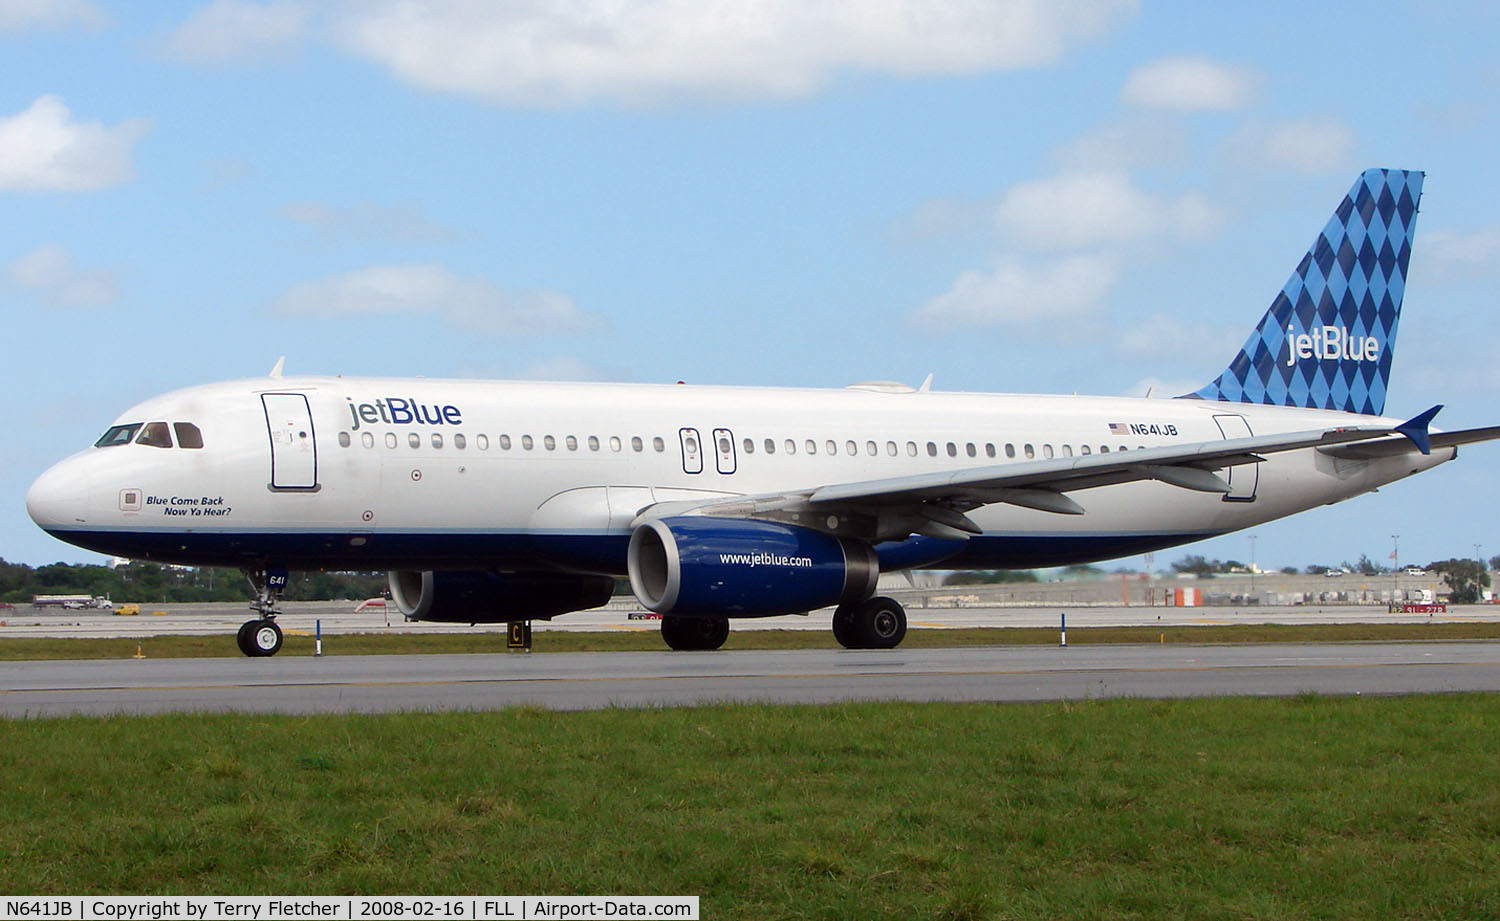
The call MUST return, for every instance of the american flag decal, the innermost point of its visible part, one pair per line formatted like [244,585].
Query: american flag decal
[1119,428]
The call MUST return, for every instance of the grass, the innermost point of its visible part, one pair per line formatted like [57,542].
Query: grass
[1308,807]
[39,649]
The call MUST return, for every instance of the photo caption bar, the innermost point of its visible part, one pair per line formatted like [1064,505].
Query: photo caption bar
[348,908]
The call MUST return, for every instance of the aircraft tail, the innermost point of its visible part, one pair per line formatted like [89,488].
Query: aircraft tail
[1328,339]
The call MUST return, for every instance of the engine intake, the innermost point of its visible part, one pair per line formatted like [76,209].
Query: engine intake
[734,567]
[489,597]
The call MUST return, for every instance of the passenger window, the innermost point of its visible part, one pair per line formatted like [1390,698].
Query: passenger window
[460,442]
[1084,449]
[791,446]
[871,449]
[414,440]
[833,448]
[1010,451]
[593,442]
[749,445]
[970,450]
[156,435]
[188,435]
[931,449]
[725,445]
[1047,451]
[527,442]
[344,440]
[367,439]
[658,445]
[952,449]
[636,444]
[989,450]
[614,443]
[1104,449]
[1067,450]
[505,442]
[118,435]
[549,442]
[1029,451]
[390,439]
[770,446]
[890,448]
[811,446]
[851,448]
[437,440]
[572,443]
[482,442]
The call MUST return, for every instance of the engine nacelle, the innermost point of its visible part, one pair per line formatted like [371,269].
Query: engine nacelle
[735,567]
[489,597]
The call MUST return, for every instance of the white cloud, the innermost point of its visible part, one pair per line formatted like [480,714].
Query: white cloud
[20,15]
[235,30]
[406,223]
[1451,255]
[44,148]
[1307,145]
[1161,336]
[1090,209]
[48,272]
[1022,294]
[646,51]
[1191,84]
[1151,142]
[466,302]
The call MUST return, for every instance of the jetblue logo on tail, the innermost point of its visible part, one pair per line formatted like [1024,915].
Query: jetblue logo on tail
[1330,343]
[1327,341]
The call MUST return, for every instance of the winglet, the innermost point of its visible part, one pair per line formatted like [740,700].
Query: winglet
[1416,429]
[280,363]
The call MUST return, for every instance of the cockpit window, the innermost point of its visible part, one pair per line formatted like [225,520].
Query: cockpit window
[188,435]
[118,435]
[156,435]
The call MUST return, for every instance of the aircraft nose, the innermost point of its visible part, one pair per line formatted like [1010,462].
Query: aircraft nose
[59,497]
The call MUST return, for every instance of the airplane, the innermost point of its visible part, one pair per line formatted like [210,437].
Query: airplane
[505,501]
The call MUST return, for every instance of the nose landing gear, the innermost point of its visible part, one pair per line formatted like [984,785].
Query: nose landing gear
[262,637]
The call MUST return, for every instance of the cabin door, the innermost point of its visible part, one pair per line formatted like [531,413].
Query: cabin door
[1243,478]
[294,450]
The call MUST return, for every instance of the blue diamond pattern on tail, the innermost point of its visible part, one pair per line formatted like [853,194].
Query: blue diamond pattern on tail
[1328,339]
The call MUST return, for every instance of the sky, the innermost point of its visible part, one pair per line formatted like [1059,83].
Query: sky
[1093,196]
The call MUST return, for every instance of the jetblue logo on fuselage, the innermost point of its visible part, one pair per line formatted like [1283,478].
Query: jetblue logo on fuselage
[403,411]
[1329,343]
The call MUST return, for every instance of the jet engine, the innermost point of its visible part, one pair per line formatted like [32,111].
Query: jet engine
[490,597]
[730,567]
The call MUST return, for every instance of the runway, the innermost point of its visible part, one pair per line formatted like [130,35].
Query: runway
[574,681]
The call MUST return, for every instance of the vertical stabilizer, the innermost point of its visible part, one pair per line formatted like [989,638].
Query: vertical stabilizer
[1328,339]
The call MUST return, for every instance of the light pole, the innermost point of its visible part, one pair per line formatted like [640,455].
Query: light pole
[1253,539]
[1395,568]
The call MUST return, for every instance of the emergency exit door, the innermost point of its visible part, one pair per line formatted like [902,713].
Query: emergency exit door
[294,450]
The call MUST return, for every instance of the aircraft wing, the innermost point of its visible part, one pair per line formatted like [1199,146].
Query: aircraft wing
[1390,447]
[935,503]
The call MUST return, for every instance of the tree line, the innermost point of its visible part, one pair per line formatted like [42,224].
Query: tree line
[152,583]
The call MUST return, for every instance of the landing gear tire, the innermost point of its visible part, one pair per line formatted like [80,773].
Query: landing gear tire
[694,633]
[258,638]
[845,627]
[875,623]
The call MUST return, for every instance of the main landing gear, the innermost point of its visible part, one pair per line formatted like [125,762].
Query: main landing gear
[875,623]
[694,633]
[262,637]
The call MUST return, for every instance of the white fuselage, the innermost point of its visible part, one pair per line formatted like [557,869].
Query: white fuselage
[432,474]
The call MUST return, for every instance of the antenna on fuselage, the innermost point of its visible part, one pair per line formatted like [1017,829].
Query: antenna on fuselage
[280,363]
